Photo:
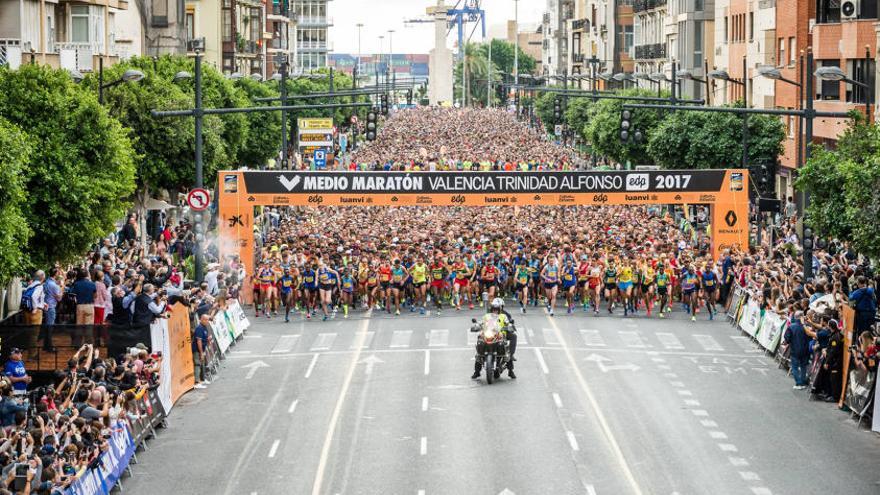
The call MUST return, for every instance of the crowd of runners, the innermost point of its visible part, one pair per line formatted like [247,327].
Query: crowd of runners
[327,261]
[433,138]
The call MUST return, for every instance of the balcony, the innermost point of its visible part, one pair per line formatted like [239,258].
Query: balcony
[577,58]
[646,5]
[278,44]
[247,47]
[580,24]
[280,12]
[314,46]
[315,21]
[650,52]
[10,52]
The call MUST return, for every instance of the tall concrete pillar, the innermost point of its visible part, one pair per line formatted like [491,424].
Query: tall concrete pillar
[440,60]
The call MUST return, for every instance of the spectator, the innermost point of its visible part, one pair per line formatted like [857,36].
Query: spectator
[200,350]
[864,302]
[35,300]
[799,345]
[84,290]
[9,405]
[16,373]
[54,290]
[103,306]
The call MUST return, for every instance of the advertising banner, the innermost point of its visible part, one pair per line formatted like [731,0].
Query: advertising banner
[736,301]
[860,391]
[238,318]
[101,480]
[161,343]
[180,343]
[222,334]
[772,328]
[750,322]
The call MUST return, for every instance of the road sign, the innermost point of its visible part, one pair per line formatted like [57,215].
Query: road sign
[320,159]
[558,129]
[198,199]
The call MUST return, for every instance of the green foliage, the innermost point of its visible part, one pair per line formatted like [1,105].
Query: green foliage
[544,109]
[577,114]
[264,138]
[503,59]
[82,166]
[844,188]
[15,151]
[477,70]
[341,82]
[702,140]
[603,129]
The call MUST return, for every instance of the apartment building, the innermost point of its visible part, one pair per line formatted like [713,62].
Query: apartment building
[604,32]
[690,41]
[745,31]
[554,29]
[65,33]
[312,40]
[529,39]
[649,53]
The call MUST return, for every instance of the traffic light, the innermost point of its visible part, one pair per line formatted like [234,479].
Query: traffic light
[409,96]
[557,109]
[372,117]
[384,104]
[763,175]
[628,133]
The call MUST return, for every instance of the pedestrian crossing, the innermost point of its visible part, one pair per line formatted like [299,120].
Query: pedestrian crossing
[645,340]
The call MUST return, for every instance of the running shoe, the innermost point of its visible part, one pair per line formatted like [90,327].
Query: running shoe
[325,318]
[662,315]
[397,312]
[471,306]
[693,318]
[523,309]
[422,311]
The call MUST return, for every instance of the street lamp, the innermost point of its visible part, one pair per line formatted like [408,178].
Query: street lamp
[836,74]
[182,75]
[131,75]
[256,76]
[771,72]
[235,76]
[75,75]
[689,75]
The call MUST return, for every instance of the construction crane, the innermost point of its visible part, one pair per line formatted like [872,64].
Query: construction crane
[463,12]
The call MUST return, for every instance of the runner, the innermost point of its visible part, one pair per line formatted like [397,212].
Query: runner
[625,285]
[709,282]
[288,287]
[569,282]
[419,274]
[610,284]
[594,283]
[438,280]
[663,283]
[550,279]
[328,279]
[689,289]
[522,284]
[347,293]
[398,276]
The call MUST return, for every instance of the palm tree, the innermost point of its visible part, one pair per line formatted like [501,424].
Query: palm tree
[476,69]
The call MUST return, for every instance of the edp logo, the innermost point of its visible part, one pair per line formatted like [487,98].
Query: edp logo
[637,182]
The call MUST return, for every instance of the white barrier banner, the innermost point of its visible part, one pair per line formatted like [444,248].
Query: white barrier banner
[751,318]
[221,332]
[238,318]
[771,331]
[160,342]
[876,424]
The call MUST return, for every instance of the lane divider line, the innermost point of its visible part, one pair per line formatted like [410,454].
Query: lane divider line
[292,406]
[423,447]
[572,441]
[312,365]
[557,400]
[424,403]
[274,448]
[427,361]
[541,361]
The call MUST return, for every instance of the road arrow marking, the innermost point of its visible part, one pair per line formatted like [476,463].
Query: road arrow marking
[506,491]
[253,367]
[370,361]
[605,368]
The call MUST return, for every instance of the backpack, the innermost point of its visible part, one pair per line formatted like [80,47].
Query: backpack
[27,301]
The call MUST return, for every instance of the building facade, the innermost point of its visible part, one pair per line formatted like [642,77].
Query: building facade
[529,38]
[554,29]
[312,40]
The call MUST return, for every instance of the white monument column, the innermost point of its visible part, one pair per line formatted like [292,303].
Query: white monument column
[440,60]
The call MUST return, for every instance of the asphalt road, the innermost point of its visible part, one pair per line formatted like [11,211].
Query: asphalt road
[602,405]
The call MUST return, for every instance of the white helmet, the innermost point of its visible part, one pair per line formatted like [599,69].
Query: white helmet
[497,303]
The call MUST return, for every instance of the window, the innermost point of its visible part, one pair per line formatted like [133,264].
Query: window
[857,70]
[781,55]
[576,43]
[160,13]
[626,38]
[792,49]
[79,23]
[726,35]
[227,25]
[698,44]
[828,90]
[828,11]
[190,25]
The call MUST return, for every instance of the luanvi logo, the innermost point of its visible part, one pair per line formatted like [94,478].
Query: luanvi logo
[730,218]
[289,184]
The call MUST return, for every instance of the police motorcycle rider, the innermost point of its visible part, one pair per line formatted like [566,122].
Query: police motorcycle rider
[505,321]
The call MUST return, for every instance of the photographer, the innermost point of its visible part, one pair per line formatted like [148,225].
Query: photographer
[148,305]
[9,405]
[864,301]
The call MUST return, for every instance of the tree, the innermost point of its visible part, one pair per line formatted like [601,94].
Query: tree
[843,185]
[264,136]
[701,140]
[476,69]
[15,151]
[577,114]
[603,129]
[502,57]
[544,109]
[81,169]
[321,84]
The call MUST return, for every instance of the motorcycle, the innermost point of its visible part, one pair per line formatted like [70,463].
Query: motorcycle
[492,345]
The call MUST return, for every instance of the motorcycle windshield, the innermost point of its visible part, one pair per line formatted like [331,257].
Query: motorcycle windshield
[490,327]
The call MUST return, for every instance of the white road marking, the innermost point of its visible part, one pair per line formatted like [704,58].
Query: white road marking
[708,423]
[591,490]
[253,367]
[744,343]
[253,336]
[293,406]
[312,366]
[400,338]
[557,400]
[692,402]
[421,492]
[427,361]
[658,360]
[632,339]
[240,352]
[594,405]
[439,337]
[592,338]
[728,447]
[285,344]
[718,435]
[749,476]
[670,375]
[323,342]
[521,338]
[368,341]
[685,393]
[549,337]
[424,403]
[337,410]
[423,448]
[541,361]
[274,448]
[699,412]
[664,367]
[572,441]
[677,384]
[738,461]
[760,490]
[708,343]
[530,332]
[669,341]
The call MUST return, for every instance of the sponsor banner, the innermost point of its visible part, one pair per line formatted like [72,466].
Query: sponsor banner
[172,337]
[113,462]
[222,334]
[847,319]
[772,327]
[875,424]
[492,183]
[238,316]
[860,391]
[736,301]
[750,321]
[314,124]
